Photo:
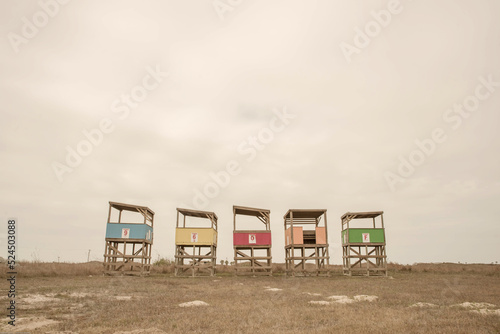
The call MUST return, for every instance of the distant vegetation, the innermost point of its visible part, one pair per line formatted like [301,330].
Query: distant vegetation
[166,266]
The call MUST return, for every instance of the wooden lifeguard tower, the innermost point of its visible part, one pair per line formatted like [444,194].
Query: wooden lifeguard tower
[252,248]
[128,244]
[364,251]
[195,247]
[306,239]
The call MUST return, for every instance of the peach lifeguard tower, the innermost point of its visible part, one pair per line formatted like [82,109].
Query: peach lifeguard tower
[195,247]
[306,240]
[252,248]
[128,240]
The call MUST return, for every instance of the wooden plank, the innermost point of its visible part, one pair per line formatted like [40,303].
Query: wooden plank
[127,256]
[199,257]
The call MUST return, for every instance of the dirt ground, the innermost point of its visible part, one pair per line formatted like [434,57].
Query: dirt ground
[405,302]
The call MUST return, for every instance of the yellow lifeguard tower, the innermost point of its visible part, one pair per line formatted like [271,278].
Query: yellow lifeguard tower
[195,247]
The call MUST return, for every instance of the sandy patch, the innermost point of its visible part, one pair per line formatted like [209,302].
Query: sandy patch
[485,311]
[346,300]
[337,297]
[421,304]
[216,280]
[29,324]
[273,289]
[76,306]
[319,302]
[34,299]
[143,331]
[365,298]
[341,299]
[312,294]
[193,303]
[80,294]
[123,297]
[475,305]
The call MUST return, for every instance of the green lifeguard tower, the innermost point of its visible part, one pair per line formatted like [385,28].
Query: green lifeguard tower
[364,251]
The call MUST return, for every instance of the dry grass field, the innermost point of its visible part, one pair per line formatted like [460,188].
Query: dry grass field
[77,298]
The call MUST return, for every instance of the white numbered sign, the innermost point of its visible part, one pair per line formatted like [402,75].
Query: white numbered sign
[125,233]
[252,239]
[366,237]
[194,237]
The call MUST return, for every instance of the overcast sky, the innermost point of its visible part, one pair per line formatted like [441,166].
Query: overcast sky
[344,106]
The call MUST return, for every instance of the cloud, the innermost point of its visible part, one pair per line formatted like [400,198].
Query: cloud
[226,77]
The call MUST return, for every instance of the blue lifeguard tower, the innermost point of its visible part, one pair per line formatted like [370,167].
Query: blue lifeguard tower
[128,244]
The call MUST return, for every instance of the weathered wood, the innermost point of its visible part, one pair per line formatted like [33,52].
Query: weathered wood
[304,247]
[134,259]
[192,257]
[245,259]
[363,258]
